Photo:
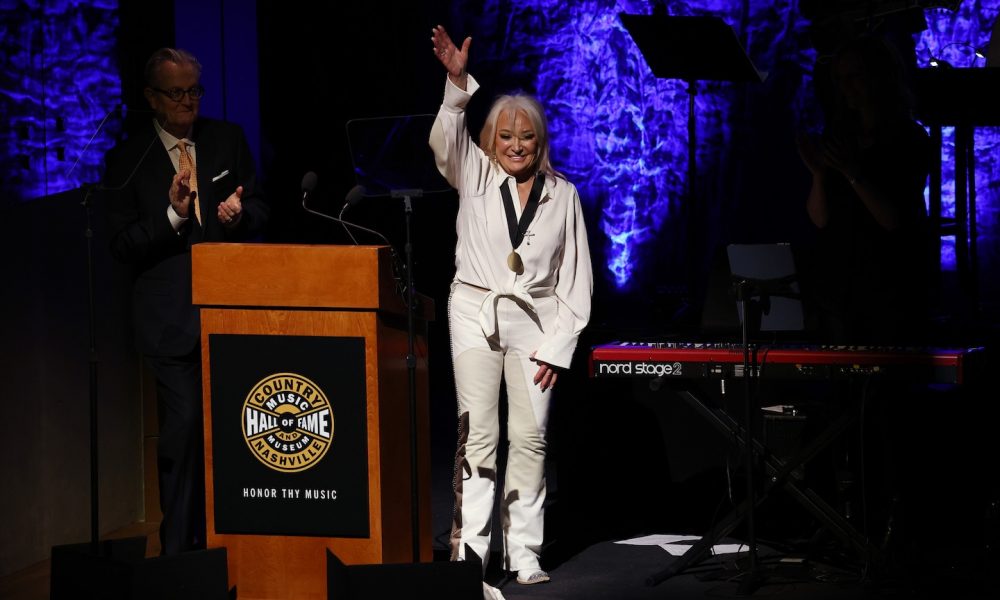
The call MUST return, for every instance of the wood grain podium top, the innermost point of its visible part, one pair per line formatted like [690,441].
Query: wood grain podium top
[298,276]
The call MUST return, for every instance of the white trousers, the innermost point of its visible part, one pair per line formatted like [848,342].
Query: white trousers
[480,365]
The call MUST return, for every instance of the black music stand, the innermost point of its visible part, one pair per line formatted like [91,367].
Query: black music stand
[964,98]
[693,49]
[391,158]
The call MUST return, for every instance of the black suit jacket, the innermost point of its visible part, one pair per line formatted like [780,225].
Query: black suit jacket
[137,181]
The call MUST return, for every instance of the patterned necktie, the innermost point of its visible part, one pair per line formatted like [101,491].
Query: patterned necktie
[185,162]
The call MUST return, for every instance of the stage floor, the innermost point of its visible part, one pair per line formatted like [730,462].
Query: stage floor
[614,571]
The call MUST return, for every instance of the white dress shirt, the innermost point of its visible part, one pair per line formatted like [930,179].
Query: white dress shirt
[555,253]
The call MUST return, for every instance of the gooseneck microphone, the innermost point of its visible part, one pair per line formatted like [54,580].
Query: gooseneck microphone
[354,197]
[308,185]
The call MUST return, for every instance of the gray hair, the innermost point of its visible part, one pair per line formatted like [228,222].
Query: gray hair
[179,57]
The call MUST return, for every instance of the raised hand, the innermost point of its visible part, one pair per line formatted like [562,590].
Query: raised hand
[451,56]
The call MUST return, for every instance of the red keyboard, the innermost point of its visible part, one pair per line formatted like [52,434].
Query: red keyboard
[690,360]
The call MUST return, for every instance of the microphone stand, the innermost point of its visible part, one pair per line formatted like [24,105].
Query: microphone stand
[753,578]
[745,288]
[88,233]
[409,297]
[95,532]
[411,367]
[71,571]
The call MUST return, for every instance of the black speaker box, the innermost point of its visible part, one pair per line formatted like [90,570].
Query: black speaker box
[445,580]
[120,571]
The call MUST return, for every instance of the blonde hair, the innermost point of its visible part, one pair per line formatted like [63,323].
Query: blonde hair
[510,104]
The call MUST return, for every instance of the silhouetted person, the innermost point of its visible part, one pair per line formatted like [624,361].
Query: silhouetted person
[180,180]
[873,279]
[872,276]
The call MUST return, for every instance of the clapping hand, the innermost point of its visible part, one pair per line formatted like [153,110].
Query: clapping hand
[812,153]
[841,154]
[231,210]
[181,195]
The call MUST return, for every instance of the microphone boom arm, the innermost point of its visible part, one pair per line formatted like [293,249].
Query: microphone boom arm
[355,195]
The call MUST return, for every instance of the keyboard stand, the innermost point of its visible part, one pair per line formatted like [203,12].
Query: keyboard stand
[778,473]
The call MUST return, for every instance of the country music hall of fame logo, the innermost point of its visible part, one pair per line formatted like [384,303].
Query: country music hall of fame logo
[287,422]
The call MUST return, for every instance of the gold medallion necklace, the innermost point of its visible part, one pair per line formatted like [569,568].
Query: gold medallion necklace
[517,227]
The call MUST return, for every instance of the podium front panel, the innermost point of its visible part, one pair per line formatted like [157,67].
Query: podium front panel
[289,427]
[280,565]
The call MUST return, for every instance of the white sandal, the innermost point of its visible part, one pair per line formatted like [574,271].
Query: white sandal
[532,576]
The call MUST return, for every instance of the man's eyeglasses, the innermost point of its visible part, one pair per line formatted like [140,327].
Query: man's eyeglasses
[177,94]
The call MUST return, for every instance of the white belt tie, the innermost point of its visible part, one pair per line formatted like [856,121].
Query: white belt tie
[488,309]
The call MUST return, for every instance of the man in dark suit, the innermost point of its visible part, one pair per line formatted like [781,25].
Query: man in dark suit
[179,181]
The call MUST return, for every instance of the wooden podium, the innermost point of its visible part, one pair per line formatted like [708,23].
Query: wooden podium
[259,303]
